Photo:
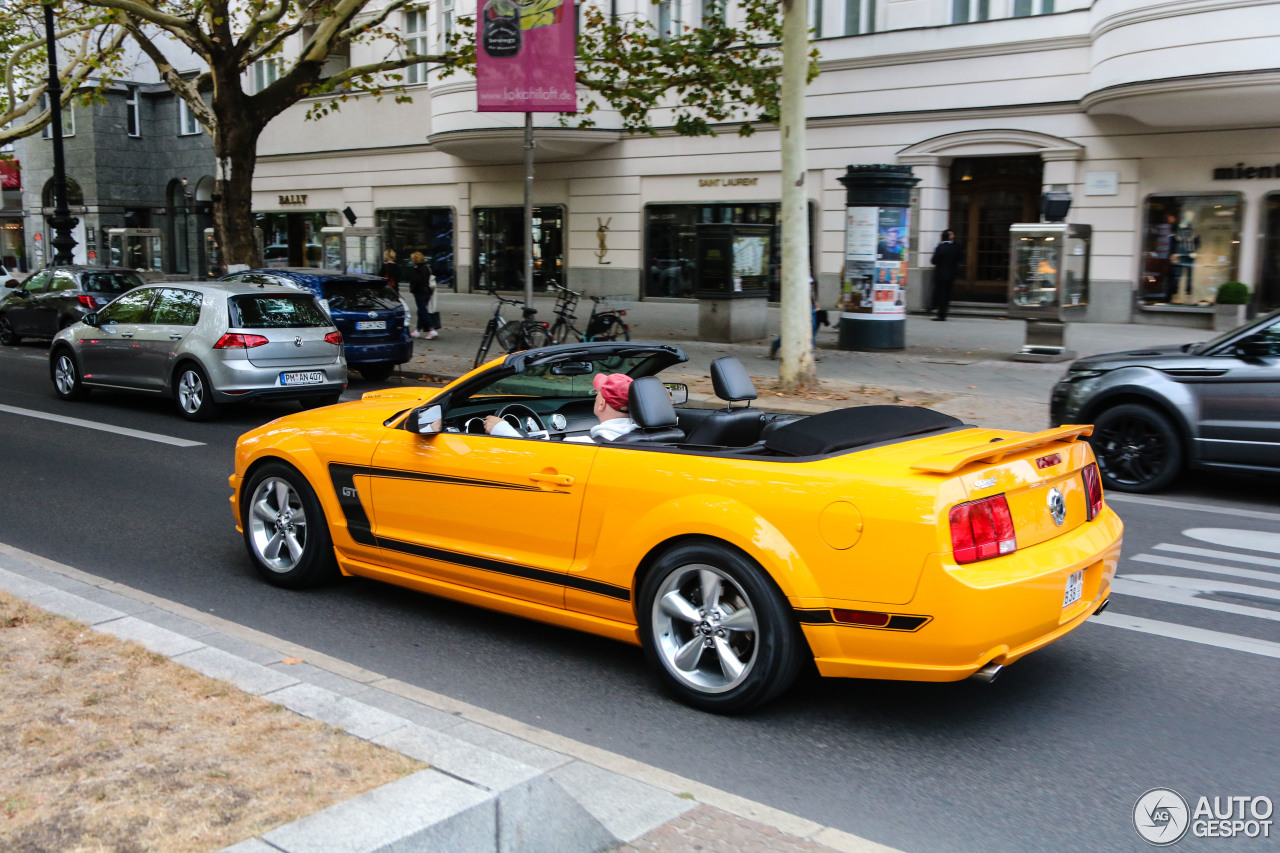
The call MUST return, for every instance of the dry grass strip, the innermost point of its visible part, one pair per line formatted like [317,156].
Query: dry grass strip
[105,746]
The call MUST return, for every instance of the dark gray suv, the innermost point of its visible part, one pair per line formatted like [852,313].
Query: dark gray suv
[1158,411]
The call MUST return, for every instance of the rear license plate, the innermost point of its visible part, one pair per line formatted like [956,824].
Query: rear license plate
[1075,588]
[307,377]
[362,325]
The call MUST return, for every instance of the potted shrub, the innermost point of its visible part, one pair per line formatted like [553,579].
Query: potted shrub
[1230,305]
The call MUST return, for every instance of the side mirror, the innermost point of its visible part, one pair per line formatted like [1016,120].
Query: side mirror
[429,420]
[679,393]
[90,319]
[1256,347]
[13,282]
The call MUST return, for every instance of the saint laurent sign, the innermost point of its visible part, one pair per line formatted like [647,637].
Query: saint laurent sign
[1241,172]
[293,199]
[727,182]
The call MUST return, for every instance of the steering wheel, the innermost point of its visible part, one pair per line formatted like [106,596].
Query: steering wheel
[514,413]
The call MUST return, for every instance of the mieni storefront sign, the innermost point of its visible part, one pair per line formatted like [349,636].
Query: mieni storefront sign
[293,199]
[1241,172]
[728,182]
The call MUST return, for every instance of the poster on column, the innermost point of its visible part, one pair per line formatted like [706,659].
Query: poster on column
[857,288]
[525,57]
[892,231]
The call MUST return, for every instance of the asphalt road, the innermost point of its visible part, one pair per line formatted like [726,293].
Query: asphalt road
[1052,757]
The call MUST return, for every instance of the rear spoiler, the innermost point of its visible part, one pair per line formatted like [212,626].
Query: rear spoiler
[949,463]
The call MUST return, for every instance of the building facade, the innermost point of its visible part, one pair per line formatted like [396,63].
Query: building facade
[1159,118]
[136,159]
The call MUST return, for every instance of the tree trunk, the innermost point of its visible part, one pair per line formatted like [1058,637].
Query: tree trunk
[797,369]
[235,145]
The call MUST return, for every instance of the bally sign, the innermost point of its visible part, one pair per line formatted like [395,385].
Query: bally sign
[294,199]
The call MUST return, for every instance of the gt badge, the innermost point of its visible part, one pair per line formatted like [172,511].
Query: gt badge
[297,342]
[1057,506]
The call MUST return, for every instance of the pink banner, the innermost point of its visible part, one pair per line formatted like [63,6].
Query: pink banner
[525,57]
[10,174]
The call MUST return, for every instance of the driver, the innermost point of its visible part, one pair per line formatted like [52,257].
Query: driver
[610,409]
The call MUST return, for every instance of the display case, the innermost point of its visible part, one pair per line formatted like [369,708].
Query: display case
[140,249]
[1049,271]
[1048,284]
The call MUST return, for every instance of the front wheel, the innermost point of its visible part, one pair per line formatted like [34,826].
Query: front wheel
[716,630]
[1138,449]
[609,328]
[66,377]
[284,528]
[485,343]
[7,336]
[536,336]
[194,394]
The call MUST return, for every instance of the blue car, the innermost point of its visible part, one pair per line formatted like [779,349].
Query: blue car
[373,318]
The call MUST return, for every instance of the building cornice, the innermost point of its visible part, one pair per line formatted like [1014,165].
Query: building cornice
[1180,85]
[1160,11]
[977,51]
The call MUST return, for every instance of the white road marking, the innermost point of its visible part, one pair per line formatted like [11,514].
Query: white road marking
[1218,555]
[1194,565]
[1249,540]
[1120,497]
[118,430]
[1186,632]
[1171,595]
[1206,585]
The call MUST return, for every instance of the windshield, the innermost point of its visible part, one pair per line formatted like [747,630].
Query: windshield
[360,295]
[110,282]
[1241,331]
[276,311]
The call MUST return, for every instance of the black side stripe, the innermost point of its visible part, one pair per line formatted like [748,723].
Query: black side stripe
[343,477]
[897,621]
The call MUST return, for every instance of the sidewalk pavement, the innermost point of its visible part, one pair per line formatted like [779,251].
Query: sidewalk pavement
[963,366]
[493,783]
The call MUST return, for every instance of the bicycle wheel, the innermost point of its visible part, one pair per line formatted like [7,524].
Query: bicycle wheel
[609,327]
[559,331]
[485,343]
[536,335]
[511,337]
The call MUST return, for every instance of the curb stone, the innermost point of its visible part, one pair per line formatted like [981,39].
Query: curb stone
[493,784]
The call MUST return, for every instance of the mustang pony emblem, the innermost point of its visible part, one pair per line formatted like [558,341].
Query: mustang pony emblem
[1057,506]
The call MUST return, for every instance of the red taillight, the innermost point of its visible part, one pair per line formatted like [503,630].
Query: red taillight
[334,338]
[231,340]
[1093,488]
[622,313]
[87,301]
[982,529]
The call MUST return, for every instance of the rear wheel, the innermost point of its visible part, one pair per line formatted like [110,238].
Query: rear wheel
[376,372]
[485,343]
[1138,449]
[285,529]
[716,629]
[194,394]
[66,377]
[536,335]
[7,336]
[609,328]
[559,331]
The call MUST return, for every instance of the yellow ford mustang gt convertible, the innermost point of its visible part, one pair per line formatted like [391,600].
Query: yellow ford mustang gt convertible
[732,545]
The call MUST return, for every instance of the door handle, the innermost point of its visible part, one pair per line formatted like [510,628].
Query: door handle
[126,334]
[552,479]
[175,337]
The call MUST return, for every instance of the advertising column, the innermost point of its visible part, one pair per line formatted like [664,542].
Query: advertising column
[874,282]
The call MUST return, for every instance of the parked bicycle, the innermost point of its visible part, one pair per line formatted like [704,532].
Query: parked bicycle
[602,324]
[511,335]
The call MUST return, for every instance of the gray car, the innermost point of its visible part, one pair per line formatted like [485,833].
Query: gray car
[203,345]
[1158,411]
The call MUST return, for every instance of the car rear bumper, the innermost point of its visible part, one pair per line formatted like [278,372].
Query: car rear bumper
[995,611]
[241,380]
[393,352]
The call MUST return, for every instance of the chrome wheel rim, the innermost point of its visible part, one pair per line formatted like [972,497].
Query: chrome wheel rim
[64,375]
[277,525]
[190,392]
[704,628]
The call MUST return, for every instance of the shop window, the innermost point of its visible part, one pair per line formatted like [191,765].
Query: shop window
[1191,245]
[428,230]
[293,239]
[1268,295]
[499,251]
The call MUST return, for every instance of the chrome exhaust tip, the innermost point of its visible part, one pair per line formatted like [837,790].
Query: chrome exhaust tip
[1103,606]
[988,674]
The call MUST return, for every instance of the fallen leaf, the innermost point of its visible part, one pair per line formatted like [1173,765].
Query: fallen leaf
[291,661]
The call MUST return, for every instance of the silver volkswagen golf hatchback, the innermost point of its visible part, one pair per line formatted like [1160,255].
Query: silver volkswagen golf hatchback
[204,345]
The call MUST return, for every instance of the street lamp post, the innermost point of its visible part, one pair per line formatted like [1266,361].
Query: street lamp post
[62,220]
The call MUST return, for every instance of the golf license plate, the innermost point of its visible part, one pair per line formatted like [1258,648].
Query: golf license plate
[365,325]
[1075,588]
[303,377]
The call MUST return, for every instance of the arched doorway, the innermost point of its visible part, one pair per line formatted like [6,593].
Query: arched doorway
[988,194]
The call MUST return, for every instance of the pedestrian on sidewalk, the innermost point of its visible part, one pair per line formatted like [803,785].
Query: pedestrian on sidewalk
[423,292]
[389,270]
[946,258]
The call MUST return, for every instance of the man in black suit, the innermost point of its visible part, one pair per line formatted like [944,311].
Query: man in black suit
[946,258]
